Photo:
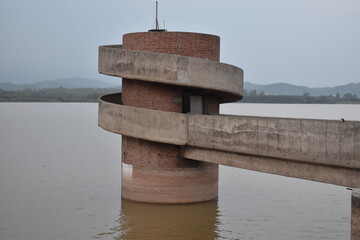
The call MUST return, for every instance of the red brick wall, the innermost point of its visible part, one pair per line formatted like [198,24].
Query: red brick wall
[146,155]
[355,223]
[212,104]
[161,96]
[179,43]
[155,96]
[151,152]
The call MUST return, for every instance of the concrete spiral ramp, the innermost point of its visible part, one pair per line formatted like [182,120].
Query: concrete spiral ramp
[223,80]
[173,137]
[162,136]
[165,76]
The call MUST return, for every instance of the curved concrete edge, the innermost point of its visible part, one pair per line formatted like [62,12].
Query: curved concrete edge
[302,170]
[260,137]
[146,124]
[172,69]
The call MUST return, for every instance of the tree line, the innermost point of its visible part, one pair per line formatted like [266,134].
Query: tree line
[55,94]
[93,95]
[254,97]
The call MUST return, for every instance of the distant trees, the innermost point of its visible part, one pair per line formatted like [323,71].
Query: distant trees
[93,94]
[55,95]
[253,97]
[350,97]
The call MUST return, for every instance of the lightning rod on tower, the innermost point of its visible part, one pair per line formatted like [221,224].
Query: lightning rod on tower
[157,27]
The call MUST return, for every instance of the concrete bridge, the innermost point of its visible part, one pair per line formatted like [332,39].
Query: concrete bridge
[189,124]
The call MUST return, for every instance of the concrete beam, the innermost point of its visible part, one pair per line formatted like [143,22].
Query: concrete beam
[303,170]
[192,72]
[332,143]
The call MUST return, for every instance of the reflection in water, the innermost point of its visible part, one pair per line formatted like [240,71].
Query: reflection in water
[154,221]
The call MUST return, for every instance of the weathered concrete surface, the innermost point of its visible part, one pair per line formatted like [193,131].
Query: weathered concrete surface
[223,78]
[318,150]
[283,167]
[332,143]
[146,124]
[355,214]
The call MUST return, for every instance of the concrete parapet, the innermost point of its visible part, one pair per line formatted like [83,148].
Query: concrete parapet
[226,80]
[146,124]
[332,143]
[303,148]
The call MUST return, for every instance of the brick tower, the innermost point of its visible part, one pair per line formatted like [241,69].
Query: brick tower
[163,176]
[166,77]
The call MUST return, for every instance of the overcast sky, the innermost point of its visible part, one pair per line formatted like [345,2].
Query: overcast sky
[315,43]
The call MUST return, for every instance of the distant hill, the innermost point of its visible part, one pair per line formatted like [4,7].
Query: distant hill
[270,89]
[289,89]
[57,83]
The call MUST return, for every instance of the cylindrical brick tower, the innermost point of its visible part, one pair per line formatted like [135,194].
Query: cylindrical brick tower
[169,80]
[158,172]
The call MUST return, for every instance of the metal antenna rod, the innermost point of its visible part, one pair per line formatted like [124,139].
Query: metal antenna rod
[157,26]
[157,22]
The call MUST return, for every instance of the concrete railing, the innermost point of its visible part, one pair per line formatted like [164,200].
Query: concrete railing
[319,150]
[146,124]
[326,142]
[224,79]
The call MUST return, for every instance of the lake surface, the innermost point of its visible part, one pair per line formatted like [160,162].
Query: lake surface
[60,179]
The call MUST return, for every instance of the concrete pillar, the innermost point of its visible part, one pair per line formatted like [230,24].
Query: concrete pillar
[355,214]
[155,172]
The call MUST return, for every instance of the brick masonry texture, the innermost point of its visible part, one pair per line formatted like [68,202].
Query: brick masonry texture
[355,223]
[151,95]
[178,43]
[355,215]
[165,160]
[160,96]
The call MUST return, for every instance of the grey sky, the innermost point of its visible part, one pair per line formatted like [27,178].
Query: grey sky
[302,42]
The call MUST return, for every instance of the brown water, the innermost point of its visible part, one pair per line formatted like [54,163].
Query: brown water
[60,179]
